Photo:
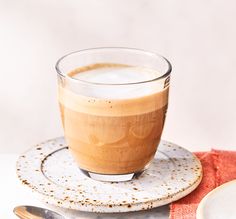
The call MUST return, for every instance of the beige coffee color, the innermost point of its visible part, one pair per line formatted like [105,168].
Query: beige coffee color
[112,136]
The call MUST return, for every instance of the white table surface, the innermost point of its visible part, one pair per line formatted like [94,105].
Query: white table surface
[13,193]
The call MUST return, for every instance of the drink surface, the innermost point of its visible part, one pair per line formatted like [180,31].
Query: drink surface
[111,128]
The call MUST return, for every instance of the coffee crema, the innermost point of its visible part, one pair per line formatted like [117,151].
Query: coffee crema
[111,128]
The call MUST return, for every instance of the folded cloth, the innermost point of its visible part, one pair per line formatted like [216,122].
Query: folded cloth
[225,164]
[218,167]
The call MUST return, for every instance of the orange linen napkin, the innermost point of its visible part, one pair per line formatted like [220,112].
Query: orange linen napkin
[218,167]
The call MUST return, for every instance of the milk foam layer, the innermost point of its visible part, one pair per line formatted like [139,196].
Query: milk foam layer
[107,77]
[117,75]
[109,98]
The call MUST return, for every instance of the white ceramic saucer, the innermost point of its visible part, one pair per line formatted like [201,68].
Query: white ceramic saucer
[49,169]
[220,203]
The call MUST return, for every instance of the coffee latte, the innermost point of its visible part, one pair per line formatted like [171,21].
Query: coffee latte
[115,125]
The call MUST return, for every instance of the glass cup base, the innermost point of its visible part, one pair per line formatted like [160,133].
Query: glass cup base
[112,177]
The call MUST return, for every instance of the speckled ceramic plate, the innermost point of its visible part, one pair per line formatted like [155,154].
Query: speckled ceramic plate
[49,170]
[219,203]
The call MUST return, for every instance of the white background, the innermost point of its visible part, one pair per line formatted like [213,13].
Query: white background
[198,37]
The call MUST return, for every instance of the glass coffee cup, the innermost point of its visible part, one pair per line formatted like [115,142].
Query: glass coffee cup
[113,103]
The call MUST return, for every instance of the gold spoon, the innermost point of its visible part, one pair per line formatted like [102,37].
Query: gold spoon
[32,212]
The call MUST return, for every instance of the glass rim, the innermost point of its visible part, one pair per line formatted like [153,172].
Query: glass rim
[148,53]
